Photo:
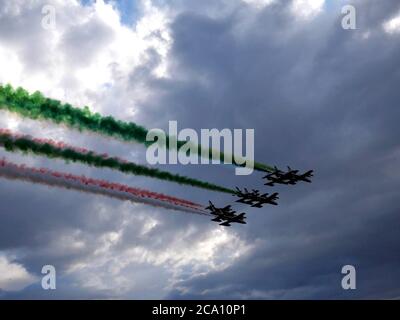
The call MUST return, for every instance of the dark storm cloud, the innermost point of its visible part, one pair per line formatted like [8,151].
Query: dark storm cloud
[318,97]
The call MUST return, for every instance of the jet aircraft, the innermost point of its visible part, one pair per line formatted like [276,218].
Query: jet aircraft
[290,177]
[255,199]
[225,215]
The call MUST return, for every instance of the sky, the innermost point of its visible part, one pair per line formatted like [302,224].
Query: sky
[318,97]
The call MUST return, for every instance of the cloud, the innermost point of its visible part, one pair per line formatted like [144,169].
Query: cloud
[314,114]
[307,8]
[13,276]
[317,96]
[259,4]
[175,260]
[88,51]
[392,25]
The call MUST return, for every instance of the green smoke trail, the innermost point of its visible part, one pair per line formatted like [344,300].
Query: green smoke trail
[52,150]
[36,106]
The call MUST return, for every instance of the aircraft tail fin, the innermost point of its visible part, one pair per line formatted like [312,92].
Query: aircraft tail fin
[210,207]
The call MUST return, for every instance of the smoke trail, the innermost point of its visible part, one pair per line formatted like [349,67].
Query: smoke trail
[10,170]
[36,106]
[52,149]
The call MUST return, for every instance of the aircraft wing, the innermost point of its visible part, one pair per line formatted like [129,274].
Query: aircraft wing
[258,204]
[245,200]
[225,224]
[238,219]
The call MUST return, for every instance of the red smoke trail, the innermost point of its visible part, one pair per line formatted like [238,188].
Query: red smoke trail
[115,190]
[63,145]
